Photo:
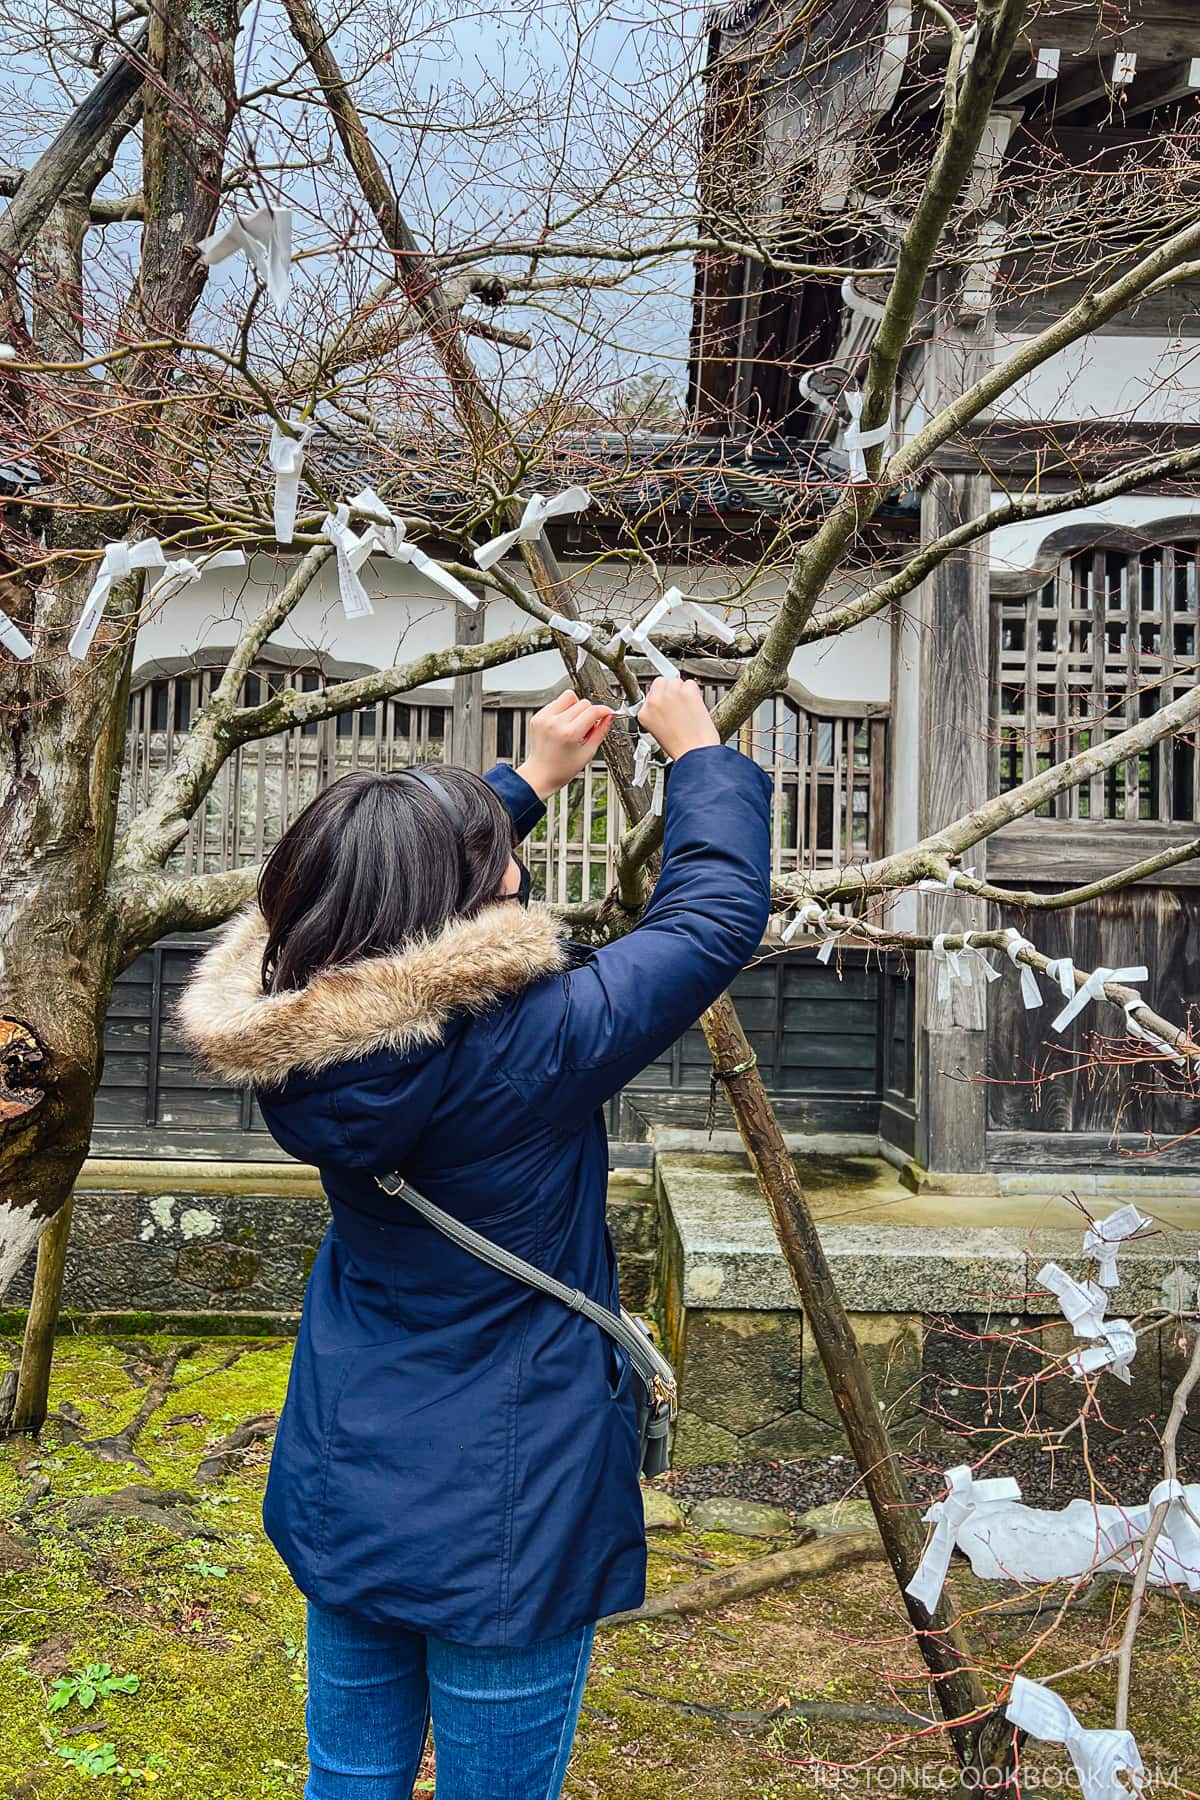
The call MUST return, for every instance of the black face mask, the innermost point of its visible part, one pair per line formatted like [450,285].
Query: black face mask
[522,894]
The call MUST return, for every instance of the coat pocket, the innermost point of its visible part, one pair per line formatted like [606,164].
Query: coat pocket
[620,1369]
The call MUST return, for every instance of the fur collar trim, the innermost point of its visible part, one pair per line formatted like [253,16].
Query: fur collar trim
[395,1002]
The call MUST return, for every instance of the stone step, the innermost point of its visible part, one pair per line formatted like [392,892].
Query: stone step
[892,1250]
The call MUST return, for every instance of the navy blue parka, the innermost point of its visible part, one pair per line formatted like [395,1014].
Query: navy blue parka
[457,1453]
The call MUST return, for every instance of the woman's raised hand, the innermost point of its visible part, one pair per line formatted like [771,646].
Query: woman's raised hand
[563,738]
[675,714]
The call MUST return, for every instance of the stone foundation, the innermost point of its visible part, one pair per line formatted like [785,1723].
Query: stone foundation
[238,1240]
[937,1286]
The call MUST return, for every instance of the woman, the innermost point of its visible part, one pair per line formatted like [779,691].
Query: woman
[454,1483]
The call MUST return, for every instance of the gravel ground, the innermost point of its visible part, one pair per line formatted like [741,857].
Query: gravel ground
[1124,1467]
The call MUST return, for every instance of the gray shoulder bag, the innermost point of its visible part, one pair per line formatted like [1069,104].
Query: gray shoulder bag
[654,1379]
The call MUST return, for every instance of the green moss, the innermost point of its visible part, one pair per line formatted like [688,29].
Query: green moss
[138,1597]
[219,1709]
[202,1324]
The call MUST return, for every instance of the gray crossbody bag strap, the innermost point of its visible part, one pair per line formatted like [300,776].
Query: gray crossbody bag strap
[649,1362]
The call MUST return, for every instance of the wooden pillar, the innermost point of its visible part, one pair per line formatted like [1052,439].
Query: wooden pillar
[467,726]
[955,763]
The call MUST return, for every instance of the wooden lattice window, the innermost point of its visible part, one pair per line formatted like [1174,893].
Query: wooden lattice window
[827,772]
[264,785]
[1111,639]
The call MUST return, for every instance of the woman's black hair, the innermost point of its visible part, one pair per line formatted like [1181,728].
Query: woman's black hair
[375,860]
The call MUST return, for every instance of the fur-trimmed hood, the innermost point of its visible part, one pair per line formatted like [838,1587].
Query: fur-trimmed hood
[398,1002]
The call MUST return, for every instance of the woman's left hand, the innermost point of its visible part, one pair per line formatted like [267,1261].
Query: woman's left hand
[563,738]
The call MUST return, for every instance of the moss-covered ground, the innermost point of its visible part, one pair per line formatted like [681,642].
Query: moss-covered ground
[190,1599]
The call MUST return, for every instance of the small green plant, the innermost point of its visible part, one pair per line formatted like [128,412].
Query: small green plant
[278,1777]
[201,1565]
[100,1759]
[86,1686]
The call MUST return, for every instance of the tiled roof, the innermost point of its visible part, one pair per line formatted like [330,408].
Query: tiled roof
[642,475]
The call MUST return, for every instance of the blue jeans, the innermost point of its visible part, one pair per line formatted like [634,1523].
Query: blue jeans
[503,1720]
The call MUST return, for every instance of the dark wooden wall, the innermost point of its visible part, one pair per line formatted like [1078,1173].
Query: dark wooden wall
[834,1047]
[1039,1114]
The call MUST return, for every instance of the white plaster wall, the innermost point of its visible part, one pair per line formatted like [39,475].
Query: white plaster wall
[905,736]
[1016,547]
[412,618]
[1156,379]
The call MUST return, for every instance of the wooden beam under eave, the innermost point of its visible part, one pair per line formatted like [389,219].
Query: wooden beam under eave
[1080,31]
[1104,79]
[1162,87]
[1035,297]
[1062,452]
[1029,74]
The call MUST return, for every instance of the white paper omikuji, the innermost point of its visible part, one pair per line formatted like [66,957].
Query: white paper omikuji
[1062,970]
[14,639]
[810,913]
[1093,989]
[286,456]
[1083,1302]
[1100,1757]
[539,508]
[977,950]
[1136,1029]
[674,602]
[264,238]
[855,440]
[352,552]
[1182,1527]
[118,561]
[1115,1351]
[1031,993]
[948,1516]
[181,570]
[641,759]
[931,885]
[950,966]
[1033,1545]
[1005,1540]
[575,629]
[1104,1237]
[638,634]
[389,540]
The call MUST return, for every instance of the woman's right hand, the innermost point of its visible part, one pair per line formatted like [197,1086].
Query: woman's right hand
[675,714]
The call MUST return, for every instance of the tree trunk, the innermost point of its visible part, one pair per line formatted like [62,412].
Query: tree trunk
[59,947]
[56,967]
[63,729]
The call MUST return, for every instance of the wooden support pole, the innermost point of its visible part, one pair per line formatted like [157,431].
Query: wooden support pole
[981,1736]
[467,732]
[954,768]
[37,1349]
